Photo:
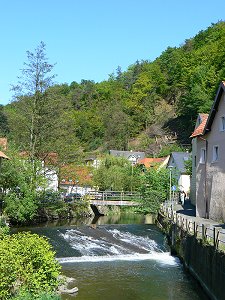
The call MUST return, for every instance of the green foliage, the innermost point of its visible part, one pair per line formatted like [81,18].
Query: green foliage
[154,189]
[4,228]
[188,166]
[116,173]
[27,264]
[20,188]
[3,122]
[20,208]
[166,150]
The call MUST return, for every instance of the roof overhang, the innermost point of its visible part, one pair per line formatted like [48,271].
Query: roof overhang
[214,108]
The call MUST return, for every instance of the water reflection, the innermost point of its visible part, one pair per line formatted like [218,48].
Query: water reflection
[97,220]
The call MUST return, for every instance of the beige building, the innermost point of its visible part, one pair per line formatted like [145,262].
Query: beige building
[208,154]
[178,170]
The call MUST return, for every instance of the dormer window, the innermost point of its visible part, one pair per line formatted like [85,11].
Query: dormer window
[222,123]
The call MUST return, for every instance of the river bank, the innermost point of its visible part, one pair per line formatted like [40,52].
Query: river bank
[121,256]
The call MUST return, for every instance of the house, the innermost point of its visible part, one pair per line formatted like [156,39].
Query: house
[177,164]
[132,156]
[209,161]
[75,178]
[48,168]
[92,161]
[149,162]
[196,141]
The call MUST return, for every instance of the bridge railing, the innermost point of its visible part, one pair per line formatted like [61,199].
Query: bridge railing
[114,196]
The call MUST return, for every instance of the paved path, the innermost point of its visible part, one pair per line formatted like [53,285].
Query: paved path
[188,210]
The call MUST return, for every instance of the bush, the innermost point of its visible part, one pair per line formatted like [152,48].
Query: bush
[20,208]
[27,264]
[4,228]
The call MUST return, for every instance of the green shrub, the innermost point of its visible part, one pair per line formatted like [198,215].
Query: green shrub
[20,208]
[27,264]
[4,228]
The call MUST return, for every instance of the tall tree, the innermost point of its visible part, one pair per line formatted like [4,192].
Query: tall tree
[3,122]
[32,86]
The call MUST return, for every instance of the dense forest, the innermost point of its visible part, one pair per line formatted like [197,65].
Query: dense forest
[151,106]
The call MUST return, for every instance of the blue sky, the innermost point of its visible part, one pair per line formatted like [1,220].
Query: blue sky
[89,39]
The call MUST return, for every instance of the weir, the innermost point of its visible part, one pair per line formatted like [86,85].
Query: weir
[123,258]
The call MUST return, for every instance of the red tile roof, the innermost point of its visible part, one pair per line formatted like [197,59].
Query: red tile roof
[151,161]
[200,129]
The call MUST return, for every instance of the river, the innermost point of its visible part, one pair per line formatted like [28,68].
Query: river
[119,258]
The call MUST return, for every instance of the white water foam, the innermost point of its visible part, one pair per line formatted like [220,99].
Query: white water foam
[89,246]
[144,243]
[163,258]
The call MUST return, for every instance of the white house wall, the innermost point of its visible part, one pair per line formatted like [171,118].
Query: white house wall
[184,183]
[210,176]
[216,170]
[200,180]
[193,177]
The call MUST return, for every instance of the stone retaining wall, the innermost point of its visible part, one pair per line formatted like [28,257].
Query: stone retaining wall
[204,261]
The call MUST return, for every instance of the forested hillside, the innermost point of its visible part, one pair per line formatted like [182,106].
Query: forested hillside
[146,107]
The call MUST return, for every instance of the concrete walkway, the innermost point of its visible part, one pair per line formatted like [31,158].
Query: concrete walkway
[188,210]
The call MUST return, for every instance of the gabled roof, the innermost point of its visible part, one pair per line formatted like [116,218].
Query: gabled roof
[179,159]
[199,129]
[151,162]
[214,108]
[127,154]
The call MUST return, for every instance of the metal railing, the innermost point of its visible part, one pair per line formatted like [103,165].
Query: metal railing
[114,195]
[210,233]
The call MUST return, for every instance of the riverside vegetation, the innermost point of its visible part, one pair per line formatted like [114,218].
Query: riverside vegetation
[27,266]
[147,105]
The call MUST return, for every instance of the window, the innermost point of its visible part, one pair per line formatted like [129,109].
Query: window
[222,123]
[215,153]
[203,156]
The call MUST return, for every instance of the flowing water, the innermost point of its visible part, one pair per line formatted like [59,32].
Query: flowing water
[129,260]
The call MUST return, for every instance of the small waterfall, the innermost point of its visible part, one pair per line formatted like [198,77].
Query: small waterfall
[108,244]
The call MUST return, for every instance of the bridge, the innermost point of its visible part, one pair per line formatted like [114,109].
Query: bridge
[98,199]
[119,198]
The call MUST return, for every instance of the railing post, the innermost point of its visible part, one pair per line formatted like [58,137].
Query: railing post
[204,231]
[216,232]
[174,216]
